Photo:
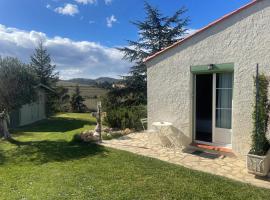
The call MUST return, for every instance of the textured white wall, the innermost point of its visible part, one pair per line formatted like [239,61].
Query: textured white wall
[243,39]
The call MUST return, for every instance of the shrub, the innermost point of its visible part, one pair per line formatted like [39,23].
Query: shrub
[260,144]
[126,117]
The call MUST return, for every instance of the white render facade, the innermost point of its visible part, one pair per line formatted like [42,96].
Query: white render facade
[242,39]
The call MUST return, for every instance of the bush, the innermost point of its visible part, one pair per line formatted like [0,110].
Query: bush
[260,144]
[126,117]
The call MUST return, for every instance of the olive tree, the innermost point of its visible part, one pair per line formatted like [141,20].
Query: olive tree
[16,86]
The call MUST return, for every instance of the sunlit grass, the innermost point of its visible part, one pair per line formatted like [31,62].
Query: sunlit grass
[42,163]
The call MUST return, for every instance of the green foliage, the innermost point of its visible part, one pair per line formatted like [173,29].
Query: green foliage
[45,74]
[77,100]
[41,64]
[126,117]
[155,33]
[62,102]
[16,84]
[105,85]
[260,143]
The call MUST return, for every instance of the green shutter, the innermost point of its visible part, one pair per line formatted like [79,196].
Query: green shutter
[216,68]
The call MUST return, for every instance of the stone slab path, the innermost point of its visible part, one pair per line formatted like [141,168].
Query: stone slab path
[228,166]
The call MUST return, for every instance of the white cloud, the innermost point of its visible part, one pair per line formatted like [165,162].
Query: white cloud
[190,31]
[108,2]
[68,9]
[85,2]
[48,6]
[91,22]
[73,58]
[110,20]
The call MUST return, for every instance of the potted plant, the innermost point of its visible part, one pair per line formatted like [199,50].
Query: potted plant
[258,159]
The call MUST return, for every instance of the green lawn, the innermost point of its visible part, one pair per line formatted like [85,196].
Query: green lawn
[43,164]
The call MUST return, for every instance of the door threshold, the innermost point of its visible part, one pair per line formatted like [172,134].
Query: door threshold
[211,147]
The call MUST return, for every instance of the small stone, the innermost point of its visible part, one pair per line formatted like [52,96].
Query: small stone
[127,131]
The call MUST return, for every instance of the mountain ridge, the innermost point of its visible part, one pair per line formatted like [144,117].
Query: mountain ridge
[86,81]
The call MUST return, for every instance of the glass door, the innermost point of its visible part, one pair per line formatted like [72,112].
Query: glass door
[204,108]
[222,112]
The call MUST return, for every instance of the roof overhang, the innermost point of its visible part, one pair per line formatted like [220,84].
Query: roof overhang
[45,87]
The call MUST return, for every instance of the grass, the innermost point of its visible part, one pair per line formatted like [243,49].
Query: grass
[42,163]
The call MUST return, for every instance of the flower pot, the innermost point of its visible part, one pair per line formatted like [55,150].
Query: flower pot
[258,165]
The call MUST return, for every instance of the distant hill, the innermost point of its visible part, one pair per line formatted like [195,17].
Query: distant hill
[100,80]
[91,93]
[91,89]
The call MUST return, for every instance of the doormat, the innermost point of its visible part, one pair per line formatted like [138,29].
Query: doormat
[206,154]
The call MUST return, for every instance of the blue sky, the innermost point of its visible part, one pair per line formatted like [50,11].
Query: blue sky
[81,34]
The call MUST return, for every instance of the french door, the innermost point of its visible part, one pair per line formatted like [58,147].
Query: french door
[213,108]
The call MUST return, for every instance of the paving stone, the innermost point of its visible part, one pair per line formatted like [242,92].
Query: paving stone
[230,167]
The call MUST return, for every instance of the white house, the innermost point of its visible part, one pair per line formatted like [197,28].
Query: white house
[204,84]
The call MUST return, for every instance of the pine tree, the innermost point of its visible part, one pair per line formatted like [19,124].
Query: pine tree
[77,100]
[41,64]
[156,32]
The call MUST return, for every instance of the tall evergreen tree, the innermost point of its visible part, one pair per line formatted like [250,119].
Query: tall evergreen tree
[77,100]
[156,32]
[41,64]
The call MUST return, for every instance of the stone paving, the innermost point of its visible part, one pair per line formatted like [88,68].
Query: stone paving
[228,166]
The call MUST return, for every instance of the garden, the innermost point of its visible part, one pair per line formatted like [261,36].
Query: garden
[43,162]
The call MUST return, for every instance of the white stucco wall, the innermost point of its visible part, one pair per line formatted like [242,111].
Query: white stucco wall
[242,39]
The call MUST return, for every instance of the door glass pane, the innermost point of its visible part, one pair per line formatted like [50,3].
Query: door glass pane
[224,118]
[204,107]
[224,80]
[224,100]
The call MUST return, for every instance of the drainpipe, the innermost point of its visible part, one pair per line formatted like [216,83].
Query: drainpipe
[257,96]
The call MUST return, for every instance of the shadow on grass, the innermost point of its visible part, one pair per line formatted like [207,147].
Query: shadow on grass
[2,158]
[41,152]
[55,124]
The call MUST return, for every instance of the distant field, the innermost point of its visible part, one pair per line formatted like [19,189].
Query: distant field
[91,93]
